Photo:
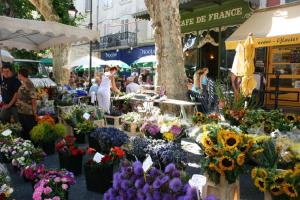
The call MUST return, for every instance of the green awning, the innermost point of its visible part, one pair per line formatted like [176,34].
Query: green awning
[47,61]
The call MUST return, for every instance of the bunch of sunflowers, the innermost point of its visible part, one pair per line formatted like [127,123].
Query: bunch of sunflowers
[282,184]
[201,118]
[225,150]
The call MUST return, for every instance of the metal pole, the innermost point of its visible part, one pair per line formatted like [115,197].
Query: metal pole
[91,26]
[220,52]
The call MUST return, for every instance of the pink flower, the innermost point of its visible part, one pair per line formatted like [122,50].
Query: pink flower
[57,180]
[65,180]
[65,186]
[37,196]
[47,190]
[56,198]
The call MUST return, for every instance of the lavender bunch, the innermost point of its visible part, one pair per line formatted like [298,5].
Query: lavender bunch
[132,183]
[138,146]
[108,138]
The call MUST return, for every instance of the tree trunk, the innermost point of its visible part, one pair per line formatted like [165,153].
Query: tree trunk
[166,23]
[61,52]
[61,55]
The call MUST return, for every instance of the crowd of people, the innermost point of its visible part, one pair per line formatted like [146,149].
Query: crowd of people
[18,99]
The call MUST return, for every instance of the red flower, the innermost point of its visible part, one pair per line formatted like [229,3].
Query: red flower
[91,151]
[2,196]
[118,151]
[106,158]
[60,145]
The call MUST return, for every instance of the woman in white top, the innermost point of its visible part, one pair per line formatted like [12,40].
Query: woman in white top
[104,90]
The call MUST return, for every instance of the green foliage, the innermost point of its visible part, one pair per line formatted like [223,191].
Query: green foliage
[85,127]
[44,132]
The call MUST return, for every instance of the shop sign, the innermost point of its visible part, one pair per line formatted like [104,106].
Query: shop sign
[110,55]
[269,41]
[228,13]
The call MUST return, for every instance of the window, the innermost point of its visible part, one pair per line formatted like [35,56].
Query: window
[124,27]
[87,5]
[107,4]
[106,29]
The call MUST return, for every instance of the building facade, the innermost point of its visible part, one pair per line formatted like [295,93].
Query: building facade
[122,37]
[272,3]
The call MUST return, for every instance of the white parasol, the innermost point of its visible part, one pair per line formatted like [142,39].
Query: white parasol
[38,35]
[5,56]
[85,62]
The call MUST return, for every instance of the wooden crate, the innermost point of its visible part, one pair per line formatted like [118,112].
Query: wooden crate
[223,190]
[99,123]
[116,119]
[132,129]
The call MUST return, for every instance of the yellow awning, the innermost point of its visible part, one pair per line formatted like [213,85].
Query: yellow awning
[271,27]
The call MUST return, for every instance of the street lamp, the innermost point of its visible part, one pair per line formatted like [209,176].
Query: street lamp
[72,12]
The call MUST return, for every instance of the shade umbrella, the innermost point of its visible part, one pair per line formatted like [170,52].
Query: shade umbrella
[85,62]
[146,61]
[47,61]
[248,81]
[238,61]
[38,35]
[119,63]
[5,56]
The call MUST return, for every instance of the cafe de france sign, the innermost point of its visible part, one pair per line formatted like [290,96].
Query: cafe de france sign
[229,13]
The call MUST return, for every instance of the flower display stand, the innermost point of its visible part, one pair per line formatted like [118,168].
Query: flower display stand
[223,191]
[99,123]
[116,120]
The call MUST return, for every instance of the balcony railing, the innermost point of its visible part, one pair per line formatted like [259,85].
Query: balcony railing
[119,39]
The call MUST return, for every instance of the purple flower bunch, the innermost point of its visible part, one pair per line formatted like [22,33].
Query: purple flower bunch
[176,130]
[132,183]
[53,185]
[151,129]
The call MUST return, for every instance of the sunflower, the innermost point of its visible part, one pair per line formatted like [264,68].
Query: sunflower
[206,141]
[226,163]
[254,173]
[276,190]
[279,179]
[290,117]
[262,173]
[257,151]
[219,171]
[232,141]
[290,190]
[241,159]
[261,184]
[211,166]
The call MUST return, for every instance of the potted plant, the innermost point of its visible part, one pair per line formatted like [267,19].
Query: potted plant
[132,182]
[82,129]
[54,185]
[99,174]
[70,155]
[46,134]
[103,139]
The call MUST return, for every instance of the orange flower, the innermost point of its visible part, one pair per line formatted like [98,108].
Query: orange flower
[118,151]
[91,151]
[46,119]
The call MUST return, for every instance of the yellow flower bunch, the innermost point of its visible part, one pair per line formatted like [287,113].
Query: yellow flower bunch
[226,152]
[278,182]
[169,136]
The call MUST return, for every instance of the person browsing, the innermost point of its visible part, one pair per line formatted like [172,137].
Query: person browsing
[132,87]
[9,88]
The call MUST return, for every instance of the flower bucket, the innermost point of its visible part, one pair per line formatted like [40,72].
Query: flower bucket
[93,143]
[48,147]
[223,190]
[70,163]
[267,195]
[80,138]
[98,179]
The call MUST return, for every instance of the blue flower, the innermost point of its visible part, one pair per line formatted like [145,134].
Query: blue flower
[138,168]
[125,184]
[175,184]
[170,168]
[167,197]
[139,183]
[146,188]
[176,173]
[164,180]
[156,184]
[156,195]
